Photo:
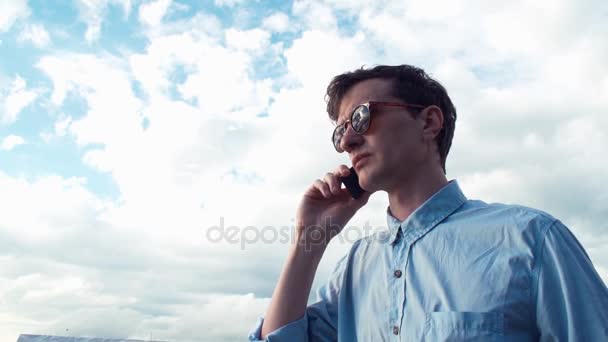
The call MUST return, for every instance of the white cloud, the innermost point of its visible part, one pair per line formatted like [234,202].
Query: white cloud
[152,13]
[217,89]
[277,22]
[169,152]
[12,10]
[36,34]
[317,56]
[35,210]
[98,159]
[202,25]
[60,129]
[219,314]
[255,40]
[530,130]
[113,109]
[11,141]
[229,3]
[50,271]
[14,99]
[93,12]
[62,125]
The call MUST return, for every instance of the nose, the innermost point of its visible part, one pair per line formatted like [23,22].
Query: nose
[350,140]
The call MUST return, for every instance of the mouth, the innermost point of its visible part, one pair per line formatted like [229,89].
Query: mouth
[359,159]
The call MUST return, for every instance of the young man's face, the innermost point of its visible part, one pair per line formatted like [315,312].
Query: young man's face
[394,145]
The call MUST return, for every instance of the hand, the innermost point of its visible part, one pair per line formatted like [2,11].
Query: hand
[325,209]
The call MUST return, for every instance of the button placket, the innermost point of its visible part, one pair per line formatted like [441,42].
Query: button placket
[401,269]
[397,284]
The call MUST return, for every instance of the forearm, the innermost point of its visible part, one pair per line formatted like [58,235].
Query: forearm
[290,297]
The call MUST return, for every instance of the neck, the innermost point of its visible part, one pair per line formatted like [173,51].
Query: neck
[409,194]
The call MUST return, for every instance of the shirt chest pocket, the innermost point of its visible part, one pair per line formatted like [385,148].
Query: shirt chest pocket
[464,326]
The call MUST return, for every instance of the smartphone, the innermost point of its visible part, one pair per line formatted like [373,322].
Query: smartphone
[351,182]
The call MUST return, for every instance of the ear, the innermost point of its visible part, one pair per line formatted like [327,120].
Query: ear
[432,117]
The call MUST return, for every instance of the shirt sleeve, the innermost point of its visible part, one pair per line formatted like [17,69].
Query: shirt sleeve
[571,298]
[320,321]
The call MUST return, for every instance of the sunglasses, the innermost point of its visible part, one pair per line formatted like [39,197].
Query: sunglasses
[361,118]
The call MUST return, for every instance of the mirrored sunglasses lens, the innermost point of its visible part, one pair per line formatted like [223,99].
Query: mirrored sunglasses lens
[361,119]
[337,138]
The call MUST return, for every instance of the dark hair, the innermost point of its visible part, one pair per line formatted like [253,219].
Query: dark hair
[410,84]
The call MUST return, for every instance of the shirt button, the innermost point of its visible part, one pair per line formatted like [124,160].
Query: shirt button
[398,273]
[396,330]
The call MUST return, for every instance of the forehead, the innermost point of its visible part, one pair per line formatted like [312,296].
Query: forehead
[375,89]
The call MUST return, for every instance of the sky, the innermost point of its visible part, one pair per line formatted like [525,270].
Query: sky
[133,133]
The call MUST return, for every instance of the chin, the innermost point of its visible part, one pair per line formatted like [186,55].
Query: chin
[371,179]
[365,179]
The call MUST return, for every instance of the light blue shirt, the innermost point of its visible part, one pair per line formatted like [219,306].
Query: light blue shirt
[459,270]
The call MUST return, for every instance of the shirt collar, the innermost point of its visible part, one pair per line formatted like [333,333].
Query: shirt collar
[434,210]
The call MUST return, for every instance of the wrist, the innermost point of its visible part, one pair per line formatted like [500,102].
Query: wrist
[309,245]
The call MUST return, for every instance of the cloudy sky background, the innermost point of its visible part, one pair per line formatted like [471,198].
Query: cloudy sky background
[129,128]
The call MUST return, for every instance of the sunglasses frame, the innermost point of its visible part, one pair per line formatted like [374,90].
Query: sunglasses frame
[369,106]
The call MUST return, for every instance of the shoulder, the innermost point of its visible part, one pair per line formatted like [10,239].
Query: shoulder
[504,215]
[509,225]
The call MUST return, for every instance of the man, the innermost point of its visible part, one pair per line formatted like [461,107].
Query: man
[448,268]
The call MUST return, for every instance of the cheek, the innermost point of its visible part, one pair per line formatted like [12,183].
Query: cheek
[402,146]
[393,140]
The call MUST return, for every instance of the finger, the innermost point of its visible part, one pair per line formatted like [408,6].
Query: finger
[323,188]
[332,180]
[342,170]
